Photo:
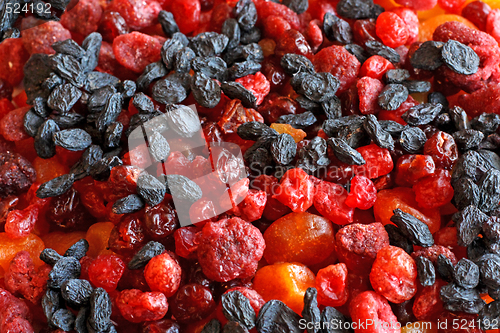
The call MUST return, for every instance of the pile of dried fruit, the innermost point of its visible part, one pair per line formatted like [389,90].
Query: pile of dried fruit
[367,197]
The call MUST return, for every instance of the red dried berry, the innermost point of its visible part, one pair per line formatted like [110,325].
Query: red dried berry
[274,209]
[185,245]
[453,6]
[22,278]
[5,104]
[375,67]
[477,12]
[368,91]
[235,114]
[137,306]
[396,114]
[441,146]
[136,50]
[229,249]
[163,273]
[411,20]
[357,245]
[434,191]
[256,301]
[394,274]
[257,84]
[20,223]
[137,13]
[314,35]
[363,193]
[252,207]
[340,63]
[15,314]
[268,8]
[391,29]
[275,27]
[418,5]
[12,125]
[106,271]
[192,302]
[369,307]
[292,41]
[296,190]
[127,236]
[14,56]
[364,31]
[378,162]
[428,305]
[411,168]
[40,38]
[493,23]
[112,25]
[330,201]
[83,18]
[433,252]
[186,14]
[331,283]
[16,174]
[276,106]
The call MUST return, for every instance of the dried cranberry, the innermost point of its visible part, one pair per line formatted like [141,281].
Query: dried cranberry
[137,306]
[391,29]
[186,14]
[293,41]
[137,13]
[331,283]
[83,18]
[363,193]
[20,223]
[39,39]
[136,50]
[441,146]
[330,201]
[127,236]
[369,306]
[411,168]
[375,67]
[477,12]
[106,271]
[435,190]
[378,161]
[160,221]
[191,303]
[16,174]
[296,190]
[112,25]
[163,273]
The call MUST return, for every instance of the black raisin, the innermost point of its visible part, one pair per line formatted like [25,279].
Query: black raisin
[311,311]
[392,96]
[32,122]
[183,188]
[64,97]
[152,72]
[144,255]
[253,130]
[76,292]
[412,139]
[283,149]
[333,321]
[78,250]
[459,57]
[332,108]
[355,9]
[206,91]
[51,302]
[456,298]
[69,47]
[50,256]
[358,51]
[130,204]
[426,272]
[100,310]
[183,60]
[246,14]
[167,22]
[209,44]
[236,307]
[299,121]
[469,224]
[235,90]
[396,76]
[213,326]
[56,186]
[459,118]
[392,127]
[213,67]
[416,230]
[336,29]
[489,187]
[64,269]
[422,114]
[150,189]
[444,267]
[398,239]
[487,123]
[319,87]
[72,139]
[183,120]
[427,56]
[275,316]
[466,274]
[377,48]
[101,169]
[414,86]
[466,193]
[167,91]
[170,49]
[382,138]
[63,319]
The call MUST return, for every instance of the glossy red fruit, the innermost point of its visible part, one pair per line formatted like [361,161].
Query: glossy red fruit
[257,84]
[391,29]
[163,273]
[20,223]
[191,303]
[136,50]
[418,5]
[106,271]
[368,307]
[185,245]
[368,91]
[40,38]
[127,236]
[330,201]
[411,168]
[296,190]
[252,207]
[14,56]
[137,13]
[477,12]
[83,18]
[375,67]
[441,146]
[435,190]
[331,284]
[137,306]
[378,162]
[433,252]
[428,304]
[12,125]
[363,193]
[112,25]
[293,41]
[394,274]
[186,14]
[275,27]
[410,18]
[268,8]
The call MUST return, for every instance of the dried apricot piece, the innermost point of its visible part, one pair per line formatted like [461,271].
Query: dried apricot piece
[297,134]
[61,241]
[299,237]
[9,248]
[97,236]
[286,282]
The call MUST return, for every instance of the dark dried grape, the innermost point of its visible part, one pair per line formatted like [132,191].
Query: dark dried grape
[143,103]
[72,139]
[307,104]
[130,204]
[427,56]
[396,76]
[466,193]
[466,274]
[298,6]
[183,188]
[416,230]
[231,29]
[206,91]
[251,36]
[382,138]
[76,292]
[336,29]
[313,155]
[236,307]
[491,229]
[319,87]
[64,269]
[183,60]
[101,169]
[253,130]
[489,268]
[469,223]
[414,86]
[296,63]
[456,298]
[486,122]
[437,97]
[144,255]
[468,139]
[98,80]
[377,48]
[398,239]
[68,68]
[459,57]
[489,188]
[170,49]
[213,67]
[331,315]
[213,326]
[299,121]
[444,267]
[283,149]
[32,122]
[311,311]
[234,327]
[152,72]
[488,316]
[56,186]
[235,90]
[50,256]
[183,120]
[92,46]
[113,135]
[358,51]
[392,127]
[111,111]
[158,147]
[392,96]
[425,270]
[64,97]
[209,44]
[63,319]
[275,316]
[167,22]
[97,101]
[422,114]
[246,14]
[150,189]
[69,47]
[127,88]
[459,118]
[412,139]
[355,9]
[78,250]
[81,320]
[51,302]
[167,91]
[242,69]
[332,108]
[100,311]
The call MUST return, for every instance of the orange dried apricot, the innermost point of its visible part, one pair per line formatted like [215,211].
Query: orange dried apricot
[299,237]
[97,236]
[297,134]
[404,199]
[286,282]
[47,169]
[9,248]
[61,241]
